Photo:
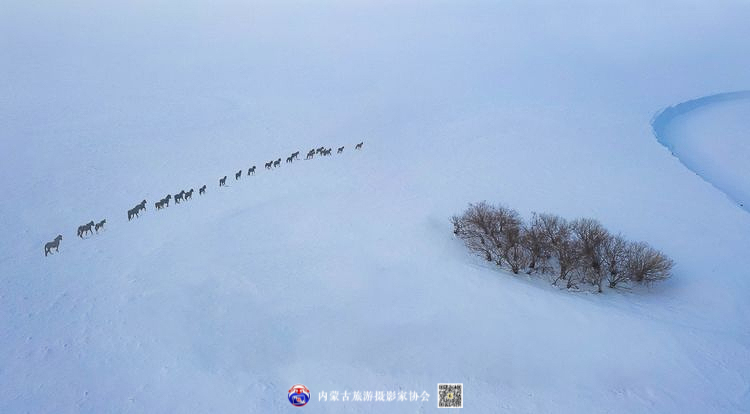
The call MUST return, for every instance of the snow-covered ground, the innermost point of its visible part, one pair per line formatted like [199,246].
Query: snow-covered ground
[711,136]
[342,273]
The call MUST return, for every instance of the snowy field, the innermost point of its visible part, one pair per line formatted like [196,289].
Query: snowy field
[341,273]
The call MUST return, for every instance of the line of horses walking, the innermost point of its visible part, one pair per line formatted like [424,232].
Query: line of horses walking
[183,195]
[86,228]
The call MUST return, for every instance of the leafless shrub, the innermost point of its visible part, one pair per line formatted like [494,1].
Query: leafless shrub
[614,256]
[591,237]
[558,236]
[477,227]
[493,232]
[517,257]
[644,264]
[534,241]
[578,251]
[510,227]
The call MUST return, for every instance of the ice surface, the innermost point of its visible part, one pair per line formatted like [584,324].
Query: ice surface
[711,136]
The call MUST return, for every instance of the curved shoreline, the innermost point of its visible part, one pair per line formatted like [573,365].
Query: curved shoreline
[662,119]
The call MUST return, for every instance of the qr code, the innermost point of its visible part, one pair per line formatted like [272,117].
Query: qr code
[450,395]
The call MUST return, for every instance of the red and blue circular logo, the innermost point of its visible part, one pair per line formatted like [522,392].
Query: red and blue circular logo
[299,395]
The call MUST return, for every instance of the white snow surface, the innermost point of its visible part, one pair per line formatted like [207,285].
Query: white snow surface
[711,136]
[342,273]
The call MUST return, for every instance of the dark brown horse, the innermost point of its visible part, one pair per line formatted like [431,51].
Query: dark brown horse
[54,244]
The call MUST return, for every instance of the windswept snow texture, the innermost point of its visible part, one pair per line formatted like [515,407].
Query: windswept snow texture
[341,273]
[711,136]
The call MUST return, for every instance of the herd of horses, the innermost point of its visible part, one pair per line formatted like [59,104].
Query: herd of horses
[183,195]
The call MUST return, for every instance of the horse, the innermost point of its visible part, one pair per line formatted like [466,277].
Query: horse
[237,175]
[142,205]
[179,196]
[166,199]
[295,155]
[133,212]
[159,205]
[340,150]
[268,165]
[289,159]
[100,225]
[202,190]
[86,228]
[54,244]
[310,155]
[251,170]
[223,181]
[359,146]
[277,163]
[189,194]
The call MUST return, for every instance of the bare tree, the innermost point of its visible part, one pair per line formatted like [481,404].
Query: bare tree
[534,242]
[614,257]
[573,263]
[646,264]
[552,228]
[591,236]
[494,232]
[518,257]
[476,227]
[510,228]
[473,238]
[558,235]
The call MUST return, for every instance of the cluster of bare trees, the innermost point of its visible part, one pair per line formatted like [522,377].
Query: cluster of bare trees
[575,252]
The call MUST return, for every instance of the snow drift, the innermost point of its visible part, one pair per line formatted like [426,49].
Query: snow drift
[713,143]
